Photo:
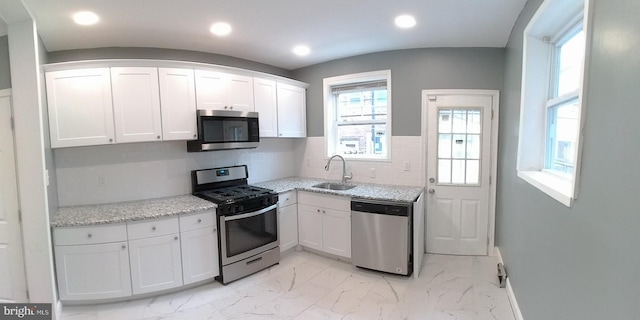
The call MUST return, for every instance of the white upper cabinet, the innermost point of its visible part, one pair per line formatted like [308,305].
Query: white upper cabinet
[282,109]
[178,104]
[223,91]
[136,104]
[266,105]
[292,111]
[80,107]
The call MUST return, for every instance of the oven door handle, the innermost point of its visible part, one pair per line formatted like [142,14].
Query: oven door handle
[250,214]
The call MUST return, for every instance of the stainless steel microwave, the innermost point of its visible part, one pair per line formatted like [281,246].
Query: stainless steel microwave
[220,130]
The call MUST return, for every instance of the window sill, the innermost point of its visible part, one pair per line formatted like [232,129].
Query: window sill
[554,186]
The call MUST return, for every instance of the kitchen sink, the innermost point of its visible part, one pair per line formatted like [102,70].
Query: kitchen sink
[334,186]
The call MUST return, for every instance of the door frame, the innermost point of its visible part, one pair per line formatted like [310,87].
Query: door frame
[495,120]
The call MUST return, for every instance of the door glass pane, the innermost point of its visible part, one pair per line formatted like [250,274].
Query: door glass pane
[473,171]
[459,121]
[444,121]
[444,171]
[459,145]
[473,146]
[459,148]
[444,146]
[458,171]
[474,121]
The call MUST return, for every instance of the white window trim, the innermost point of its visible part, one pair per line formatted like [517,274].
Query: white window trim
[551,18]
[330,116]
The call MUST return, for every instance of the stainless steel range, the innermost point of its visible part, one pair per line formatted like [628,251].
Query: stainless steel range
[247,220]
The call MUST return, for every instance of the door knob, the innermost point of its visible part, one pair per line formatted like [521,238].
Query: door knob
[432,191]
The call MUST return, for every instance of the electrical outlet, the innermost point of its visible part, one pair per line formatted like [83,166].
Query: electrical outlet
[102,181]
[407,166]
[373,173]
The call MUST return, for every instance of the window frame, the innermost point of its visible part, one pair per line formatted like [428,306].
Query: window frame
[554,21]
[330,112]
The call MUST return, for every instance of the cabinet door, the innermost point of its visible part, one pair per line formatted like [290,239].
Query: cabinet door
[292,111]
[155,263]
[136,104]
[80,107]
[310,226]
[265,104]
[337,232]
[199,255]
[211,90]
[178,104]
[98,271]
[240,93]
[288,227]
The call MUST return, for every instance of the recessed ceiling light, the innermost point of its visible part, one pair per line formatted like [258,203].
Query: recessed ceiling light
[220,29]
[405,21]
[85,18]
[301,50]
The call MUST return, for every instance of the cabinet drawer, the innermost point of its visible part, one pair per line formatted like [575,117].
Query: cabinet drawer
[325,201]
[152,228]
[287,198]
[197,221]
[89,234]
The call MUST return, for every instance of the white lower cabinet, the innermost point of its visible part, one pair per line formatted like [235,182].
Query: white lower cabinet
[155,263]
[199,241]
[120,260]
[288,219]
[324,223]
[92,262]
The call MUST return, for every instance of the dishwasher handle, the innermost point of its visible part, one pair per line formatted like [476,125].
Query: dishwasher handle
[379,207]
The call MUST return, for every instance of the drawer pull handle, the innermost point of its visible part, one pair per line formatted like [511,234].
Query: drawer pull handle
[89,235]
[153,228]
[199,220]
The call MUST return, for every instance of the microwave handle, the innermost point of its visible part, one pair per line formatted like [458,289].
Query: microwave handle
[250,214]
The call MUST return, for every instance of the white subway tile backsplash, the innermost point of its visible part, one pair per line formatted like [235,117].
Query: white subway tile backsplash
[123,172]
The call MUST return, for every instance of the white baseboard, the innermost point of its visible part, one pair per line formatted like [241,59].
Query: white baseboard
[512,298]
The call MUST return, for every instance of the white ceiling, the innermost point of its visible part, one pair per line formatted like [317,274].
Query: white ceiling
[267,30]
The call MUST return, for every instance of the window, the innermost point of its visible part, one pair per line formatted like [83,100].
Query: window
[555,45]
[358,115]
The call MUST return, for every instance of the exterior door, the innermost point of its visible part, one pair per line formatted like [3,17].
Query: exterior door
[458,173]
[12,278]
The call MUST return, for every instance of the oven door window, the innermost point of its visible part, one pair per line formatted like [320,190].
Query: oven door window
[249,233]
[219,129]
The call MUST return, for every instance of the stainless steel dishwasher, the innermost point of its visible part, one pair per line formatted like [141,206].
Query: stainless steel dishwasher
[381,235]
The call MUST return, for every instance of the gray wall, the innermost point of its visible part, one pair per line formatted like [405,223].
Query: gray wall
[583,262]
[163,54]
[411,72]
[5,70]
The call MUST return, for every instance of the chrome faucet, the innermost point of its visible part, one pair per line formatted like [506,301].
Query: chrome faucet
[345,177]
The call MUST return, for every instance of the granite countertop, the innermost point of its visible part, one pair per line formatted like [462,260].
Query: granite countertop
[87,215]
[76,216]
[372,191]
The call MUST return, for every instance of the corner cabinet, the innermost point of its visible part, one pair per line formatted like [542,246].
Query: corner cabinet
[80,107]
[324,223]
[282,108]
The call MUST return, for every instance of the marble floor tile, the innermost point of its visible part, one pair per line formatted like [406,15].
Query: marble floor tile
[309,286]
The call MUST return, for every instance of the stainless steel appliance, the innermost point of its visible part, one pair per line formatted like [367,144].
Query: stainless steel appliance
[247,218]
[219,130]
[381,235]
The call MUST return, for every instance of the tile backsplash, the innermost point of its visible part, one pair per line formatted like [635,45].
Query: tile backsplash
[134,171]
